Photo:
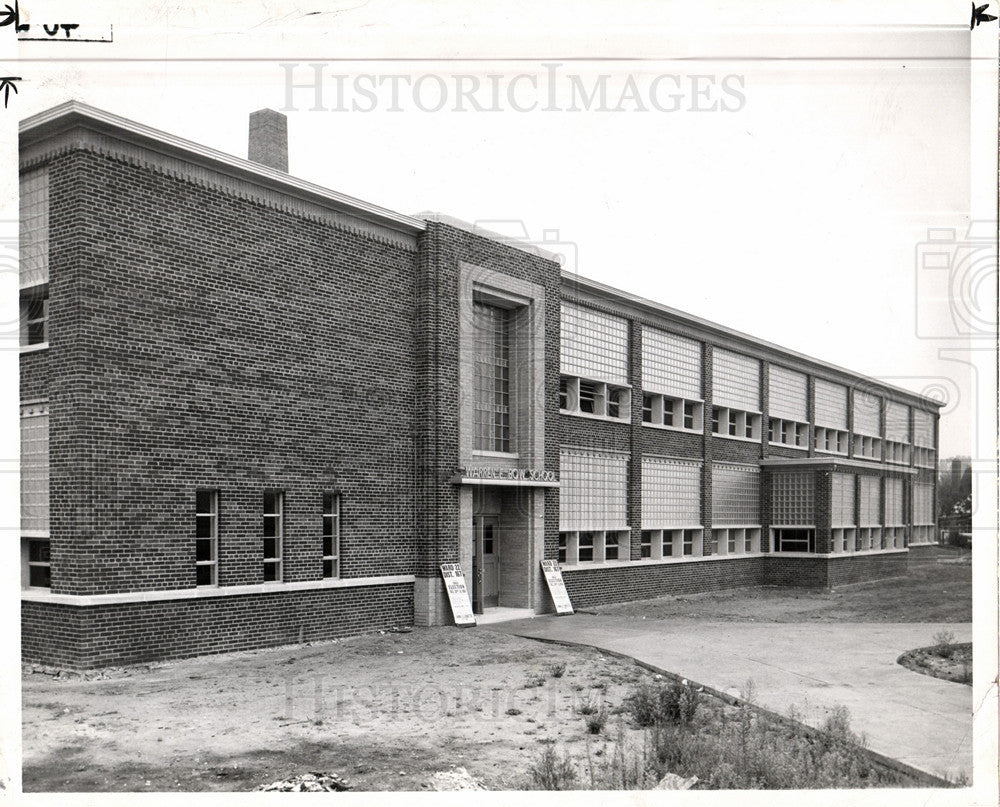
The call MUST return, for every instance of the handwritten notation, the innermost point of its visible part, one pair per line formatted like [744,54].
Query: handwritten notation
[7,84]
[55,32]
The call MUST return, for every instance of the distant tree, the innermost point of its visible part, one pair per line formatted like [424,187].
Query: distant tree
[955,495]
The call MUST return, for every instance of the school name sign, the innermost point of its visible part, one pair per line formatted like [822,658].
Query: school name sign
[508,476]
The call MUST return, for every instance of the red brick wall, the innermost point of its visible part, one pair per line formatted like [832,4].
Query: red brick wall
[205,340]
[106,635]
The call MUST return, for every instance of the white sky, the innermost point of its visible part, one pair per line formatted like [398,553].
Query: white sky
[796,218]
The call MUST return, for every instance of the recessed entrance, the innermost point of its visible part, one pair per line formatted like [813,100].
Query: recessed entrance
[485,563]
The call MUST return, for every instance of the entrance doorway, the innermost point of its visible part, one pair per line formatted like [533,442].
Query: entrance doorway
[485,563]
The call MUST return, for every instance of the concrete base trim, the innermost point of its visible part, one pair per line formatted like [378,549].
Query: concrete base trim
[85,600]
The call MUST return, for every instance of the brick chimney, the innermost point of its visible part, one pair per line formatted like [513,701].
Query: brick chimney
[268,143]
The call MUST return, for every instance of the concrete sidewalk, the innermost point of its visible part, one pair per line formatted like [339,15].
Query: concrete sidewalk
[922,721]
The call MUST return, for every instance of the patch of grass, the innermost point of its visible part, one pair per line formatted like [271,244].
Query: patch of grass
[596,720]
[550,772]
[654,704]
[533,681]
[944,641]
[558,669]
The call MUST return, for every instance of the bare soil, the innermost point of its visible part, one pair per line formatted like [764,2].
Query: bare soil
[951,663]
[388,711]
[384,711]
[936,591]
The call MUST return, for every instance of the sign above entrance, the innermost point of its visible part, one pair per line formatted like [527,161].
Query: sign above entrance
[458,594]
[557,588]
[485,475]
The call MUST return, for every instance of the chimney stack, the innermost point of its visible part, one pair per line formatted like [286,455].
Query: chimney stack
[268,143]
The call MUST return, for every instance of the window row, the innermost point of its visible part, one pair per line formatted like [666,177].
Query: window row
[867,539]
[736,423]
[578,396]
[207,534]
[788,433]
[672,413]
[593,545]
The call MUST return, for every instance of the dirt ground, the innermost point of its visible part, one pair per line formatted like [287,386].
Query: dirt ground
[383,711]
[387,711]
[932,592]
[953,663]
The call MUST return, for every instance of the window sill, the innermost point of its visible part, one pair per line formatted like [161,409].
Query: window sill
[831,453]
[787,445]
[200,592]
[866,459]
[754,440]
[500,455]
[587,416]
[34,348]
[570,568]
[680,429]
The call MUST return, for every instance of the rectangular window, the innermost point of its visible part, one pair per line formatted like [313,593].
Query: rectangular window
[735,423]
[35,315]
[674,413]
[794,540]
[831,405]
[34,227]
[792,499]
[923,503]
[646,544]
[593,490]
[274,516]
[579,396]
[492,378]
[671,493]
[39,564]
[563,544]
[35,468]
[735,495]
[923,429]
[593,345]
[667,544]
[787,394]
[689,539]
[611,545]
[870,501]
[671,364]
[585,547]
[735,381]
[894,503]
[331,534]
[842,500]
[207,537]
[867,414]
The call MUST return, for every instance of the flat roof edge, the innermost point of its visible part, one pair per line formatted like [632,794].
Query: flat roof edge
[570,278]
[69,113]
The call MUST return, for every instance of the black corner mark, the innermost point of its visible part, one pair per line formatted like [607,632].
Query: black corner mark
[7,84]
[13,17]
[979,15]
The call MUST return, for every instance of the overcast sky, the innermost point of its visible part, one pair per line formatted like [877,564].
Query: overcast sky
[773,167]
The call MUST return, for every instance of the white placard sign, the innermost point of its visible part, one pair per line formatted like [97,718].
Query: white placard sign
[557,588]
[458,594]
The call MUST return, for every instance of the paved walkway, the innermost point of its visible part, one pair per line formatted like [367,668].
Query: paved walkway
[922,721]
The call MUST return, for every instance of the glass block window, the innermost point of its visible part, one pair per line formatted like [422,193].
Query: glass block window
[842,500]
[492,378]
[735,495]
[894,503]
[792,498]
[867,413]
[923,503]
[35,468]
[870,493]
[923,428]
[831,405]
[671,364]
[787,394]
[593,490]
[593,345]
[34,229]
[735,381]
[671,493]
[897,422]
